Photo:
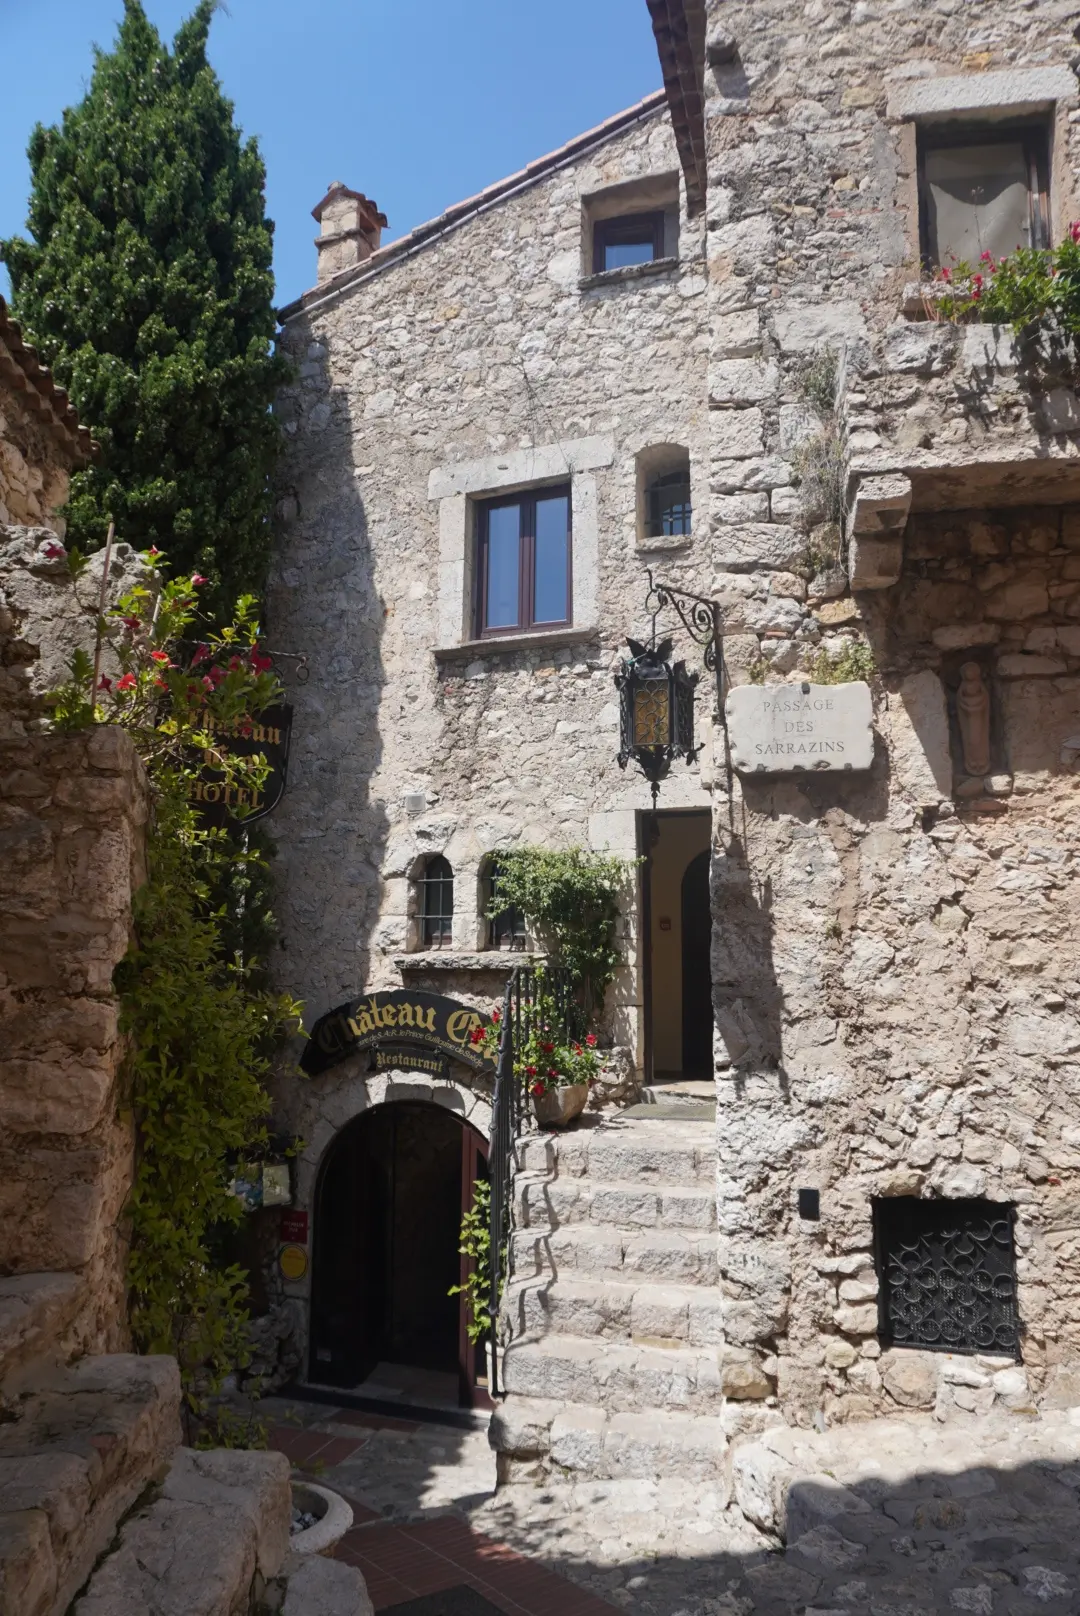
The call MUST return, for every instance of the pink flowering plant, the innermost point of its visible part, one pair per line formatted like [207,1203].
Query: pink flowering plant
[174,693]
[1022,289]
[545,1058]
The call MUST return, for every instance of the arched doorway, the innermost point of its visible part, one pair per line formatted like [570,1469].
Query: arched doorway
[391,1191]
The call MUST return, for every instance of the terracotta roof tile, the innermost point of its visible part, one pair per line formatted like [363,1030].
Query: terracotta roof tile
[679,27]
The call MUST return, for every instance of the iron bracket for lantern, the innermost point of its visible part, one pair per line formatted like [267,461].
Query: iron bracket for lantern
[656,698]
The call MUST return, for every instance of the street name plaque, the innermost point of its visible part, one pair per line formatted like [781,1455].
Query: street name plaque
[797,728]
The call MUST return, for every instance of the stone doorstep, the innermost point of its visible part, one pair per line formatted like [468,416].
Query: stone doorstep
[676,1153]
[625,1256]
[590,1441]
[618,1376]
[684,1315]
[84,1444]
[559,1201]
[35,1310]
[210,1543]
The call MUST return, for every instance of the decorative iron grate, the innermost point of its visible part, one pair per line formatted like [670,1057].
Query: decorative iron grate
[947,1271]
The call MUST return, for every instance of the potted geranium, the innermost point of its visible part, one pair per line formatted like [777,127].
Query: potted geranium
[555,1070]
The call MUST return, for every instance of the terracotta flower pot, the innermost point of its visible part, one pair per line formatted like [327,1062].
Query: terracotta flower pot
[558,1106]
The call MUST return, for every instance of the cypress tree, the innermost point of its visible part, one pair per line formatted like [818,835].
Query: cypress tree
[147,286]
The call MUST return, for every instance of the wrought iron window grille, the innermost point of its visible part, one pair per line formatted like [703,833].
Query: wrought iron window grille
[947,1273]
[437,904]
[668,510]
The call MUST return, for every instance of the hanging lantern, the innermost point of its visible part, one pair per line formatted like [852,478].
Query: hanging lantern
[656,711]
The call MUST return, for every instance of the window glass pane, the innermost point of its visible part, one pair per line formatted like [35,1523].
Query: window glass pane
[551,549]
[620,254]
[669,506]
[977,200]
[503,566]
[438,903]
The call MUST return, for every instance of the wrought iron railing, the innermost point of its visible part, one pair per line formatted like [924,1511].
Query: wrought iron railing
[526,988]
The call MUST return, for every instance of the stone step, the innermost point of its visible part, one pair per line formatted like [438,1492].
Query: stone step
[669,1153]
[677,1256]
[587,1440]
[321,1587]
[208,1545]
[668,1315]
[77,1449]
[35,1311]
[554,1202]
[627,1377]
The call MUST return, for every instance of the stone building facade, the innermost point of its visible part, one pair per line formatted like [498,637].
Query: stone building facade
[876,496]
[41,440]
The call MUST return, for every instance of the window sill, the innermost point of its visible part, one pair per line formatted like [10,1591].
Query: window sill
[448,959]
[630,272]
[497,644]
[664,543]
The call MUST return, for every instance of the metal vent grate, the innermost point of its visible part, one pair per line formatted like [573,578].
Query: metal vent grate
[947,1271]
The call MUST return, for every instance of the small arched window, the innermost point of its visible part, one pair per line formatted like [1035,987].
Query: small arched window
[667,504]
[437,904]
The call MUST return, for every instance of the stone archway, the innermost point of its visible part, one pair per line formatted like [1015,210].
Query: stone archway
[391,1189]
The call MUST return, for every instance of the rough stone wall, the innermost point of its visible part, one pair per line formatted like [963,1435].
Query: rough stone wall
[34,476]
[895,958]
[72,811]
[485,342]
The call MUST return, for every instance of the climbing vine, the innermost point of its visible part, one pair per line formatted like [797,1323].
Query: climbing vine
[571,899]
[200,1025]
[476,1245]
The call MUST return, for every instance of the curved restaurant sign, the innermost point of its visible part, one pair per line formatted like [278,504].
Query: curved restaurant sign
[408,1031]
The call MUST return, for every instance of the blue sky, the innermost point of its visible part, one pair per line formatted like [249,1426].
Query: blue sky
[415,102]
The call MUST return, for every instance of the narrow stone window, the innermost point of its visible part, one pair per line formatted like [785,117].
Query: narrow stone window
[523,575]
[636,238]
[663,495]
[437,904]
[982,190]
[506,928]
[947,1271]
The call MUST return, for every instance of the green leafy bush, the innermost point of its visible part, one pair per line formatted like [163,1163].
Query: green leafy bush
[571,899]
[854,661]
[1021,289]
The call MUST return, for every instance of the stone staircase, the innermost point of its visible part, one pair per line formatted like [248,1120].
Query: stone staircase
[615,1362]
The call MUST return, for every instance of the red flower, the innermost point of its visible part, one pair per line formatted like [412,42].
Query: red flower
[1074,230]
[217,674]
[201,654]
[553,1071]
[54,552]
[977,281]
[549,1049]
[132,623]
[104,684]
[207,684]
[986,258]
[161,685]
[153,550]
[197,579]
[260,663]
[591,1040]
[577,1049]
[128,682]
[159,656]
[946,274]
[538,1089]
[496,1015]
[477,1035]
[530,1071]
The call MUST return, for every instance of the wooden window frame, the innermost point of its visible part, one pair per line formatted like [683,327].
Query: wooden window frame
[526,623]
[609,233]
[1034,134]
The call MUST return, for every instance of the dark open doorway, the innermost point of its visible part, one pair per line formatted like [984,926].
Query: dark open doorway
[677,934]
[388,1206]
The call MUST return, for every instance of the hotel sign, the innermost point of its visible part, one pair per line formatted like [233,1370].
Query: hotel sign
[216,800]
[800,728]
[408,1030]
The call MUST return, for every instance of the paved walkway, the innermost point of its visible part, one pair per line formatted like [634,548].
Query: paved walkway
[959,1520]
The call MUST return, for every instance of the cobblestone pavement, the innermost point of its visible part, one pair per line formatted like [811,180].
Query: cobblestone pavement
[871,1536]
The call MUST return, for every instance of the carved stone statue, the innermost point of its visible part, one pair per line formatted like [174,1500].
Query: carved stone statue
[973,713]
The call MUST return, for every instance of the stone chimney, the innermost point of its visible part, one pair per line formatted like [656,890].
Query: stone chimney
[350,228]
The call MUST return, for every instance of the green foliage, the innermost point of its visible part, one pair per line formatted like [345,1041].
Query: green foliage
[817,377]
[819,467]
[147,287]
[225,1427]
[854,661]
[200,1027]
[571,899]
[476,1245]
[1022,289]
[545,1056]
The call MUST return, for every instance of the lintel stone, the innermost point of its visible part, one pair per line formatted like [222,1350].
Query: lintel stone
[1013,91]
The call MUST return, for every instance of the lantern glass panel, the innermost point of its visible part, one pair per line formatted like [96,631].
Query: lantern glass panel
[684,711]
[652,713]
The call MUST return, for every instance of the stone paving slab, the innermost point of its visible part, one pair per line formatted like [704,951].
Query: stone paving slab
[916,1518]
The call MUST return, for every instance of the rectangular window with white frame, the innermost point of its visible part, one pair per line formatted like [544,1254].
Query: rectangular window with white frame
[523,573]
